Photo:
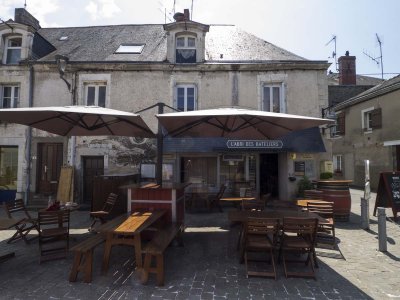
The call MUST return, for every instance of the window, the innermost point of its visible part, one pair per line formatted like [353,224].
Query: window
[130,48]
[272,98]
[337,163]
[186,97]
[185,49]
[95,94]
[366,117]
[8,167]
[339,128]
[9,96]
[12,50]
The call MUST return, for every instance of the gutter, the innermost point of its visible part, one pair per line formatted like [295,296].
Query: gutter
[28,152]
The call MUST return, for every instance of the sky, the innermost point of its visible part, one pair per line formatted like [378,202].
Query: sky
[304,27]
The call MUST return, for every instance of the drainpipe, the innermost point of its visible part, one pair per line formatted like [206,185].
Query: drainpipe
[28,152]
[73,138]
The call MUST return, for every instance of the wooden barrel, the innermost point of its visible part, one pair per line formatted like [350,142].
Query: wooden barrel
[338,192]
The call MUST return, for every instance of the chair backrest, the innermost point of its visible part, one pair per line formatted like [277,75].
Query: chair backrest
[110,202]
[54,219]
[221,191]
[305,227]
[263,226]
[323,208]
[15,207]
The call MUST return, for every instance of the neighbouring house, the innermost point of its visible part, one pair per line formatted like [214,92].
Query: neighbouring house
[185,64]
[368,129]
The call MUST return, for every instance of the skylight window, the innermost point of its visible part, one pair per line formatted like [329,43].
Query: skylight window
[130,48]
[63,38]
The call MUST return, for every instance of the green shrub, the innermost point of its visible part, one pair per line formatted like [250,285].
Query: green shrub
[326,175]
[303,184]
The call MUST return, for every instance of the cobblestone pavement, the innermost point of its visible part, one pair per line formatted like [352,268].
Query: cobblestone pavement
[208,268]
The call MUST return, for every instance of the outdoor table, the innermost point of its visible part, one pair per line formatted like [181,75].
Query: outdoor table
[126,230]
[237,200]
[7,223]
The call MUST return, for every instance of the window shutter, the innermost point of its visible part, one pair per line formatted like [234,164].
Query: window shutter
[340,123]
[376,118]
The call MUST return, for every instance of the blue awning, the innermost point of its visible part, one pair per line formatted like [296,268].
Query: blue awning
[301,141]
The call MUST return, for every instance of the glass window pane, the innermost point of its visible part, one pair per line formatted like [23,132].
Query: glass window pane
[7,92]
[16,96]
[191,42]
[276,99]
[17,42]
[180,42]
[8,167]
[102,96]
[90,95]
[190,99]
[13,56]
[180,99]
[266,99]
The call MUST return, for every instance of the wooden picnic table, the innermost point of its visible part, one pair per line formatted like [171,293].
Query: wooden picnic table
[7,223]
[126,230]
[303,202]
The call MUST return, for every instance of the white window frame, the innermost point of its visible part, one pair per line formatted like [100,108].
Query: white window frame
[366,119]
[338,163]
[14,99]
[96,86]
[7,47]
[185,87]
[281,97]
[186,44]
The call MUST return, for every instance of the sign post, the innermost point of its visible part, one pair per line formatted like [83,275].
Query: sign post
[365,199]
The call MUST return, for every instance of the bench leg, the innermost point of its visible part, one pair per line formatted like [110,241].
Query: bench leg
[146,268]
[75,267]
[107,252]
[160,269]
[88,266]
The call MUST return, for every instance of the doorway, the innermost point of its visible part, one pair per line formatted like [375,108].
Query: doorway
[50,160]
[269,182]
[92,166]
[397,158]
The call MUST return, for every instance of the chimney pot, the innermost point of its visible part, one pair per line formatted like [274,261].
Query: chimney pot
[186,13]
[347,69]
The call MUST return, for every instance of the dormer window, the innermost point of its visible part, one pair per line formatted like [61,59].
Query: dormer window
[185,49]
[12,50]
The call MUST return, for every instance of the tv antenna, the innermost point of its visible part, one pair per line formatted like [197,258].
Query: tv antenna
[379,59]
[334,52]
[167,14]
[25,4]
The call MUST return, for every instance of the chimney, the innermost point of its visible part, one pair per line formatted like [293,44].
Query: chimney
[347,69]
[180,17]
[22,16]
[186,14]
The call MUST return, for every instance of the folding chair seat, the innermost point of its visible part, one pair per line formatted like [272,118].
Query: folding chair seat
[53,234]
[299,239]
[103,214]
[17,209]
[261,235]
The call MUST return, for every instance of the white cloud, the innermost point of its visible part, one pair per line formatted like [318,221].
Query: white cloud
[102,9]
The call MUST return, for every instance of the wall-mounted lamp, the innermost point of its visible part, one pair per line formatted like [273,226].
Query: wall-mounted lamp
[62,61]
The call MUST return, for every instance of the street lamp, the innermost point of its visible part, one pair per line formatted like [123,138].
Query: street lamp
[62,61]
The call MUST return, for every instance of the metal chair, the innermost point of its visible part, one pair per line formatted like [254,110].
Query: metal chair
[261,235]
[53,234]
[103,214]
[214,200]
[14,210]
[299,238]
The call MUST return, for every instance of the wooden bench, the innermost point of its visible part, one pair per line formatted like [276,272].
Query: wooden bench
[83,260]
[155,249]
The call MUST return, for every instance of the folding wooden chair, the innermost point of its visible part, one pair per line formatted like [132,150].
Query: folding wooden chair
[261,235]
[103,214]
[17,209]
[325,237]
[299,238]
[258,204]
[214,200]
[53,234]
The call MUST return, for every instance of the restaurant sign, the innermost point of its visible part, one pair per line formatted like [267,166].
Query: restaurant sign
[254,144]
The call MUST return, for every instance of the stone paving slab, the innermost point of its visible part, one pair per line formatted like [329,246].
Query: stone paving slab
[208,267]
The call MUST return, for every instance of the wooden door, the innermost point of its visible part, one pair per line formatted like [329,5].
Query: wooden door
[92,166]
[269,182]
[398,158]
[50,160]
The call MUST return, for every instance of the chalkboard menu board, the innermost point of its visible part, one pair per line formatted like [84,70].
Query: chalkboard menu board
[388,194]
[299,168]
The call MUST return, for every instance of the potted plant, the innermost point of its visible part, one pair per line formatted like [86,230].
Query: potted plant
[303,184]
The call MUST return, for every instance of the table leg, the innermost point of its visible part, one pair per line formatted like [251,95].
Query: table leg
[138,251]
[107,252]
